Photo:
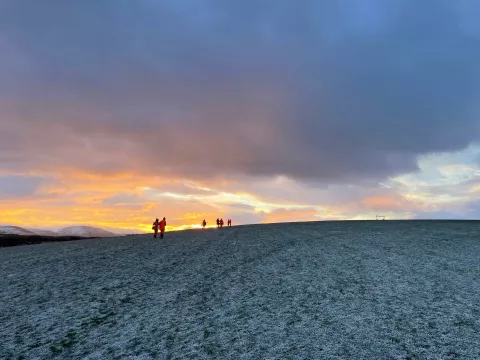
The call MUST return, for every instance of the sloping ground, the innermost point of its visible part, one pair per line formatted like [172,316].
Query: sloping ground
[353,290]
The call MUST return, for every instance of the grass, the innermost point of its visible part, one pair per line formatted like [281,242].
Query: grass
[359,290]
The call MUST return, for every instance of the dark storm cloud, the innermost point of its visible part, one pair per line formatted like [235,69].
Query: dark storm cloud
[332,91]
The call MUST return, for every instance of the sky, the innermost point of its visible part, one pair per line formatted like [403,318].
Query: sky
[115,112]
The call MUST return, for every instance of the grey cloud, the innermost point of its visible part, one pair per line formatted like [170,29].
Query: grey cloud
[184,189]
[330,91]
[245,217]
[123,199]
[464,210]
[473,209]
[240,207]
[440,215]
[18,186]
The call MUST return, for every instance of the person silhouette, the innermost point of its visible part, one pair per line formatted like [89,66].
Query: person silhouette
[155,227]
[162,224]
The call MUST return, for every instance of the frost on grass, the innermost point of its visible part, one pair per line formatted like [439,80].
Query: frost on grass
[353,290]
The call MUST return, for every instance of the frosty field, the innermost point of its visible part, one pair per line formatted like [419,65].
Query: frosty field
[332,290]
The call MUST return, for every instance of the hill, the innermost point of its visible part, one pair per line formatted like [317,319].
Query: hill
[85,231]
[332,290]
[15,230]
[72,231]
[43,232]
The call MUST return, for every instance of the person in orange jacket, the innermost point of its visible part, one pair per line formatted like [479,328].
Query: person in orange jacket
[221,223]
[163,224]
[155,226]
[204,223]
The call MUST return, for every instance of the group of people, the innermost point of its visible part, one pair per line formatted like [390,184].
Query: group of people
[159,225]
[220,223]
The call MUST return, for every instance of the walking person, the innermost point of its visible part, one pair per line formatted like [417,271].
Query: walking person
[221,223]
[163,224]
[155,227]
[218,223]
[204,223]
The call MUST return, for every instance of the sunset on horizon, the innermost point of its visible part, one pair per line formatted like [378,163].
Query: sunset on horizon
[114,113]
[239,179]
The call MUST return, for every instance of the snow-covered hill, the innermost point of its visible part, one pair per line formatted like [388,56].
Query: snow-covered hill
[86,231]
[15,230]
[43,232]
[83,231]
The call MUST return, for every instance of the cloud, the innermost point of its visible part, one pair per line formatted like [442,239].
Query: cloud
[290,215]
[391,203]
[123,200]
[113,113]
[19,186]
[440,215]
[326,91]
[469,210]
[240,207]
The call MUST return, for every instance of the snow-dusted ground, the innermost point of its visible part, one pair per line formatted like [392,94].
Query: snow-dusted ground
[354,290]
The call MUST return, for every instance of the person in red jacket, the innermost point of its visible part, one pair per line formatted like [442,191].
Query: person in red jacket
[155,226]
[221,223]
[163,224]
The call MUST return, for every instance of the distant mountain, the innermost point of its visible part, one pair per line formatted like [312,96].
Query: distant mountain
[85,231]
[43,232]
[81,231]
[15,230]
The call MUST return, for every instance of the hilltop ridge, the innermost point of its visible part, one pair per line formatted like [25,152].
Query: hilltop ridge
[77,231]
